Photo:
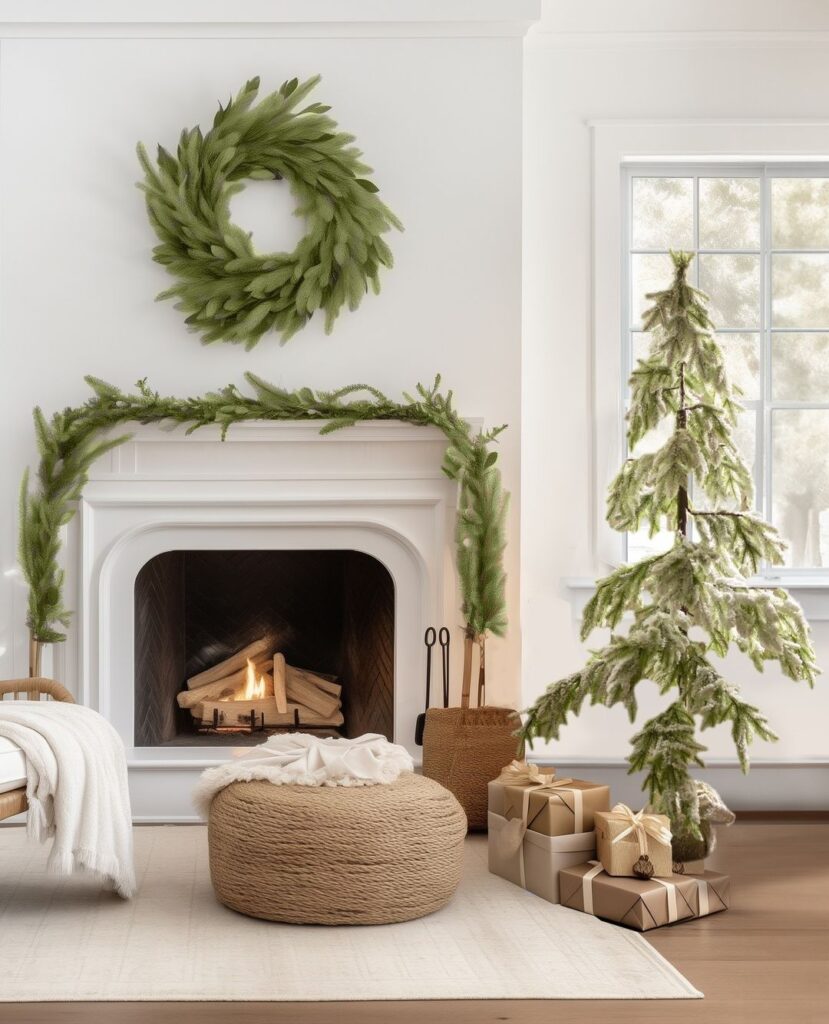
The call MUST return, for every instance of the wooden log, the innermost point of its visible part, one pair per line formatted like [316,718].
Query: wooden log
[303,689]
[210,691]
[324,683]
[279,683]
[227,685]
[258,649]
[237,712]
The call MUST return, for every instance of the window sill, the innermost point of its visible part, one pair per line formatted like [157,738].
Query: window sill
[811,593]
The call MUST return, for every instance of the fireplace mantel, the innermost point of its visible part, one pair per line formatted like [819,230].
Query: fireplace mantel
[375,487]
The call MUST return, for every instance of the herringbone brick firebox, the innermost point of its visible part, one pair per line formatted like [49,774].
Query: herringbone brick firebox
[329,611]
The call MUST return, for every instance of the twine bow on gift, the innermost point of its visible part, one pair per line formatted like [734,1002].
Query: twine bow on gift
[640,826]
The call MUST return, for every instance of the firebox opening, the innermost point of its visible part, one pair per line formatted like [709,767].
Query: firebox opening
[329,613]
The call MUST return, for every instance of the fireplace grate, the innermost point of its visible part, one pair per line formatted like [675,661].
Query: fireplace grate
[253,723]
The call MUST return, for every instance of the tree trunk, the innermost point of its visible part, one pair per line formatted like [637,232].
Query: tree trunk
[682,424]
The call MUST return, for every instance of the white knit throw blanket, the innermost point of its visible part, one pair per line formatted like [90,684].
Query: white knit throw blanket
[300,759]
[76,786]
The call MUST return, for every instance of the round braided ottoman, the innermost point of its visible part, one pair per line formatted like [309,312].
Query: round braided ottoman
[336,854]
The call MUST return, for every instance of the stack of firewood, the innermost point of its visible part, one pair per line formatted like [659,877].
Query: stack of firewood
[257,679]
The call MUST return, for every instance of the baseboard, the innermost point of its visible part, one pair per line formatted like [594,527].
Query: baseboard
[786,817]
[770,787]
[170,819]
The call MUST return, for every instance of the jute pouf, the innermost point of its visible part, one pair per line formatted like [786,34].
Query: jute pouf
[336,855]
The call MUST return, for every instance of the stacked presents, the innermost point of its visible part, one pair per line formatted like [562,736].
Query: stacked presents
[545,833]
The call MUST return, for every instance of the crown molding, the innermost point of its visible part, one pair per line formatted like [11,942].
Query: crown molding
[548,37]
[266,18]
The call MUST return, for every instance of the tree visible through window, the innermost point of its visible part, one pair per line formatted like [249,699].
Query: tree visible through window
[761,235]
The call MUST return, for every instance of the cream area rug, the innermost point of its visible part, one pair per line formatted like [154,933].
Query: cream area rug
[69,939]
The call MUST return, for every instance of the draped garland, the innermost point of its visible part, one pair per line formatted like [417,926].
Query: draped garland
[74,438]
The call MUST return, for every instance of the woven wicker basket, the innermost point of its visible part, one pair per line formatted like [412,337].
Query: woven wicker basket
[336,855]
[466,748]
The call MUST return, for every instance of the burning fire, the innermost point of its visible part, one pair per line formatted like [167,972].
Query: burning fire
[254,685]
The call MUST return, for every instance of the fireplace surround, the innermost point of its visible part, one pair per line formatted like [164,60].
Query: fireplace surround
[375,489]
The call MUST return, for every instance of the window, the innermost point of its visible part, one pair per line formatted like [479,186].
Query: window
[761,235]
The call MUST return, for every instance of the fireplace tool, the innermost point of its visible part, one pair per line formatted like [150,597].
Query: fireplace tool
[443,640]
[429,638]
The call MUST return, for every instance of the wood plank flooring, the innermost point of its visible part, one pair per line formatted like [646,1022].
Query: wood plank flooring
[764,961]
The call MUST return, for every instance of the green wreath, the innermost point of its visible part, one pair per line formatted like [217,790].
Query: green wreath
[228,291]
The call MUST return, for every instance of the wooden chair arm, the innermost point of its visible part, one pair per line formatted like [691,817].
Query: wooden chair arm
[32,689]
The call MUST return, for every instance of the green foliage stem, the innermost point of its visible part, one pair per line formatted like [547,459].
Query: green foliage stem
[70,442]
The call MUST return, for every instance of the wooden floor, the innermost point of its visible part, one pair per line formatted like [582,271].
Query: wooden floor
[766,960]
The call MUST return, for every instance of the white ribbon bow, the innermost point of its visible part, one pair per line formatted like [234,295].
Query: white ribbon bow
[640,825]
[520,773]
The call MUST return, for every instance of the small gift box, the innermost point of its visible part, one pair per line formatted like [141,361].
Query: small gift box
[550,806]
[639,903]
[533,860]
[634,843]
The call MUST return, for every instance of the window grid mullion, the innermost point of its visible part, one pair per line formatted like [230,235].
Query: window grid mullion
[627,321]
[764,440]
[695,237]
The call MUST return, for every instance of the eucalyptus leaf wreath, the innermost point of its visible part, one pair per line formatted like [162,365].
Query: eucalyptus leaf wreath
[227,290]
[74,438]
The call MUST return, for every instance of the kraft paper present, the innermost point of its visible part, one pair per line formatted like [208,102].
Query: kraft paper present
[533,860]
[622,837]
[640,904]
[565,810]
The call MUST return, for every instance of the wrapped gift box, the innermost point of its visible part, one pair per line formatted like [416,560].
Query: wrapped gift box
[568,808]
[622,838]
[531,859]
[639,903]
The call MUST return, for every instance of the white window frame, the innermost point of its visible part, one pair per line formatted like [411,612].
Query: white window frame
[618,148]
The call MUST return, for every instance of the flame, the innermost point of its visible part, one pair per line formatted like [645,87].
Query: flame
[254,686]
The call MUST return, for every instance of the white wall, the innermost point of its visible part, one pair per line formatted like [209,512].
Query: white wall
[433,95]
[646,61]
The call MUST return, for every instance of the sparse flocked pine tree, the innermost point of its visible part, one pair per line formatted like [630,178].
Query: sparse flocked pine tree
[691,602]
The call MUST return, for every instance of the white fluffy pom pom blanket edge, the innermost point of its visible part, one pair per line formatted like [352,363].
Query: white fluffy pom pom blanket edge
[301,759]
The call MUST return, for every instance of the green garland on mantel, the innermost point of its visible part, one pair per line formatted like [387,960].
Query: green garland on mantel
[227,290]
[72,440]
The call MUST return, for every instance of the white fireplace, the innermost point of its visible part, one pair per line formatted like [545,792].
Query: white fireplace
[376,489]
